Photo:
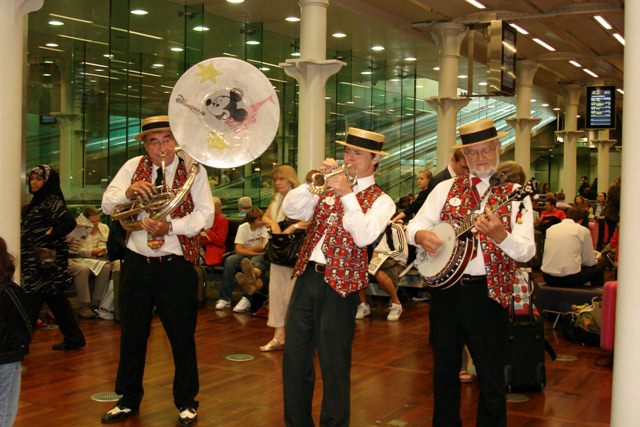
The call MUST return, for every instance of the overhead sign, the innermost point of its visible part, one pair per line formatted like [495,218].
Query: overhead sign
[601,107]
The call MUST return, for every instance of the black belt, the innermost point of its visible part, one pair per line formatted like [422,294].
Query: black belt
[468,280]
[317,267]
[157,259]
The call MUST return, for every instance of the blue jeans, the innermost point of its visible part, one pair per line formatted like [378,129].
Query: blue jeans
[231,267]
[9,392]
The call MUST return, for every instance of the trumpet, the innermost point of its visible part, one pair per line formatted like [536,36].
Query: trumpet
[318,179]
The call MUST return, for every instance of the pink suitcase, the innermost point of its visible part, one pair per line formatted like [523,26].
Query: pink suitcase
[608,322]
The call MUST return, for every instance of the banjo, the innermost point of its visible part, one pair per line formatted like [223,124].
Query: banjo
[445,268]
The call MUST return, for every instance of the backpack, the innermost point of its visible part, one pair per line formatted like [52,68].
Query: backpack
[393,243]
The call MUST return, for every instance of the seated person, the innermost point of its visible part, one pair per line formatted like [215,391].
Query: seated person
[244,204]
[569,258]
[550,215]
[561,203]
[250,241]
[214,238]
[88,258]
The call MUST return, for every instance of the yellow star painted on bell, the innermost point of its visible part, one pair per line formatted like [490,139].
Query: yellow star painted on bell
[207,72]
[216,141]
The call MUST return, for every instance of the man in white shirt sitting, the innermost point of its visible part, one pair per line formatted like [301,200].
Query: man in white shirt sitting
[569,258]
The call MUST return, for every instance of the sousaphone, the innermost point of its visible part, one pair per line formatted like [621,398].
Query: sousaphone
[223,113]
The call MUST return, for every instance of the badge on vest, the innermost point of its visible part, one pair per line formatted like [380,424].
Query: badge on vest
[455,202]
[330,201]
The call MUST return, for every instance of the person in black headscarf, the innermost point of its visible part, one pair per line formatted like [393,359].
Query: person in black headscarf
[44,254]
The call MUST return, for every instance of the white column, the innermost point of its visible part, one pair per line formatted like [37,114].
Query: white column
[448,36]
[625,410]
[12,35]
[603,145]
[311,71]
[571,96]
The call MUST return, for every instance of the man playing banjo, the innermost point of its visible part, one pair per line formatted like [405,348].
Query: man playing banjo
[473,311]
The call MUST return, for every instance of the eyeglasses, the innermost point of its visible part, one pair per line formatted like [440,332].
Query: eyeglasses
[475,153]
[154,142]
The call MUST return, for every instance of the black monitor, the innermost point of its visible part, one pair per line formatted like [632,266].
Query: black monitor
[601,107]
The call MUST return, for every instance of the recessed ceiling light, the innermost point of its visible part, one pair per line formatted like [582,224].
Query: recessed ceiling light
[157,65]
[56,23]
[519,29]
[176,49]
[264,68]
[482,84]
[544,44]
[410,59]
[545,105]
[377,48]
[52,44]
[463,76]
[577,116]
[98,70]
[556,109]
[338,35]
[476,4]
[395,79]
[620,90]
[327,97]
[200,28]
[292,19]
[108,55]
[46,75]
[575,64]
[47,61]
[603,22]
[591,73]
[139,12]
[619,37]
[366,73]
[235,1]
[295,53]
[253,42]
[436,68]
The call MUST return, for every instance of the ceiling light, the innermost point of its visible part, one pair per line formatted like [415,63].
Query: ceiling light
[292,19]
[619,37]
[56,23]
[98,70]
[47,61]
[620,90]
[46,75]
[519,29]
[264,68]
[545,105]
[157,65]
[533,100]
[482,84]
[139,12]
[253,42]
[603,22]
[377,48]
[544,45]
[295,53]
[556,109]
[436,68]
[462,76]
[366,73]
[591,73]
[235,1]
[476,4]
[577,116]
[395,79]
[176,49]
[52,44]
[338,35]
[200,28]
[410,59]
[575,64]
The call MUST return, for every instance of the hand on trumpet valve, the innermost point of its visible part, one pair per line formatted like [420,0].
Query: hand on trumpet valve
[158,227]
[140,189]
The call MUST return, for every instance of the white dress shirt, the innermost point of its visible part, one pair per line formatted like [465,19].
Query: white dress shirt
[189,225]
[300,204]
[567,247]
[519,244]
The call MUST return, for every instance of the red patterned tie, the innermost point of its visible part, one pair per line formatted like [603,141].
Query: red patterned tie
[153,241]
[476,195]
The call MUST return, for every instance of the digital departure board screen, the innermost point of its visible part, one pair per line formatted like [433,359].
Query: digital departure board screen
[601,107]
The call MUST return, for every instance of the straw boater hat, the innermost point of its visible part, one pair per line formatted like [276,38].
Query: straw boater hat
[153,124]
[364,140]
[478,132]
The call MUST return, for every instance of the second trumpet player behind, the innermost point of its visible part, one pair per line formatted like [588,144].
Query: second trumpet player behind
[331,269]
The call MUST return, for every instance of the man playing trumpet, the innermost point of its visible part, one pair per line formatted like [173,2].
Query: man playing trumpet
[157,270]
[332,268]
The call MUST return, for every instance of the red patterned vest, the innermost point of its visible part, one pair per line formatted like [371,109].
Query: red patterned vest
[347,264]
[498,266]
[190,245]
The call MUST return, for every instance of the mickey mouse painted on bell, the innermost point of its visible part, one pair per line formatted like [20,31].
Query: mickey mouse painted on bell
[225,107]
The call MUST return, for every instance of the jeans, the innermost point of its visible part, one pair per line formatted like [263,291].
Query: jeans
[9,392]
[231,267]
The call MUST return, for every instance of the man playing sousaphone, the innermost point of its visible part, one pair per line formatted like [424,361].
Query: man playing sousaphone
[157,270]
[474,310]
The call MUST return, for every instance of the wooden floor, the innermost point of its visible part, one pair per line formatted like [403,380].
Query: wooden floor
[391,377]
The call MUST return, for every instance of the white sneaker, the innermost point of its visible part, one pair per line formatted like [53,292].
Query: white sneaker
[394,312]
[243,305]
[363,311]
[223,304]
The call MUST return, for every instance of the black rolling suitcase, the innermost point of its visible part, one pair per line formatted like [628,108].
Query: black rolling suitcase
[524,369]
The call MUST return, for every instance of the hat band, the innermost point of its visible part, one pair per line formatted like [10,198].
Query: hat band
[481,135]
[366,143]
[155,125]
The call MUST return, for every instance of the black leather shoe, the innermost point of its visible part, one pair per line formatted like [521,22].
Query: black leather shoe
[117,413]
[188,417]
[67,346]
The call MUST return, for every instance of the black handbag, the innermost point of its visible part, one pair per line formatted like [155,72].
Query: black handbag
[284,248]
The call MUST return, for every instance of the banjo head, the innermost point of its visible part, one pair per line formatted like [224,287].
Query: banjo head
[430,266]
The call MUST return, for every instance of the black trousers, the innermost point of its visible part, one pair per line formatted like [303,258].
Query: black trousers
[593,274]
[62,312]
[464,314]
[318,318]
[170,286]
